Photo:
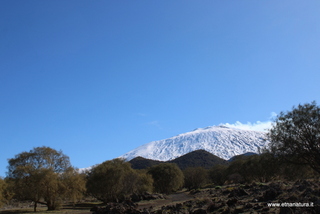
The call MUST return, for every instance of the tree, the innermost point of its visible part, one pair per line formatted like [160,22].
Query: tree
[41,175]
[74,184]
[115,181]
[295,135]
[195,177]
[262,168]
[218,174]
[167,177]
[3,187]
[143,182]
[233,172]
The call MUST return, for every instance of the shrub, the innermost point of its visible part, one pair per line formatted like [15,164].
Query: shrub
[167,177]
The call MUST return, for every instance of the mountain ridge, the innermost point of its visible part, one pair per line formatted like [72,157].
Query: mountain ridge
[198,158]
[222,141]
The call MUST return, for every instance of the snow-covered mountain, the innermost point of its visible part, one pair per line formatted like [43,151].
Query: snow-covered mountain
[222,141]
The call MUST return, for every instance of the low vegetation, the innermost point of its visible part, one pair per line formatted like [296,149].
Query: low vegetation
[116,181]
[195,177]
[167,177]
[3,187]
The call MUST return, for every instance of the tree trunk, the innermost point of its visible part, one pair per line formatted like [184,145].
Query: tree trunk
[53,205]
[35,207]
[50,205]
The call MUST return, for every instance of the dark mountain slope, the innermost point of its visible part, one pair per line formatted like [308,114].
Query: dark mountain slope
[242,157]
[143,163]
[198,158]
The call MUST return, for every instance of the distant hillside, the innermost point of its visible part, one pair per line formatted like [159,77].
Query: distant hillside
[143,163]
[241,157]
[198,158]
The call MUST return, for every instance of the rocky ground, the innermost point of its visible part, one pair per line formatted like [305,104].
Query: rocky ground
[280,197]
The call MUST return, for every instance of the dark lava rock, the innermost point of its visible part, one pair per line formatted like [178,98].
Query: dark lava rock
[257,207]
[286,210]
[199,211]
[232,202]
[225,192]
[239,209]
[238,193]
[214,206]
[248,206]
[269,195]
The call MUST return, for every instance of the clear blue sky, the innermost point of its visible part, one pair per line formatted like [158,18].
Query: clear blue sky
[97,79]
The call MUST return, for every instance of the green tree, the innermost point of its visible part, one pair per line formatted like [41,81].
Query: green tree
[218,174]
[115,180]
[234,172]
[262,168]
[144,182]
[295,135]
[195,177]
[167,177]
[3,187]
[74,184]
[40,175]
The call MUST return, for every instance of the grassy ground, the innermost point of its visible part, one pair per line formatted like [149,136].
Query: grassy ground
[175,198]
[82,208]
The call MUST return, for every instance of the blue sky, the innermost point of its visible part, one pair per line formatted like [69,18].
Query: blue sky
[97,79]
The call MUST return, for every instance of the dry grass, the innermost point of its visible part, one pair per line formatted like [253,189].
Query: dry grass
[81,208]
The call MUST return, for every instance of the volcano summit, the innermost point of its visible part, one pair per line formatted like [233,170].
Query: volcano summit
[222,141]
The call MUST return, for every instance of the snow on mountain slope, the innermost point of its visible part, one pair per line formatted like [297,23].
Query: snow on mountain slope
[222,141]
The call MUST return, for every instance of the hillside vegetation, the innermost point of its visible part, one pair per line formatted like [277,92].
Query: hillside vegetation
[198,158]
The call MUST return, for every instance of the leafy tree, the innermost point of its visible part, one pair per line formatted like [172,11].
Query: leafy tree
[291,172]
[74,184]
[234,172]
[295,135]
[3,187]
[41,175]
[167,177]
[195,177]
[144,183]
[115,180]
[262,168]
[218,174]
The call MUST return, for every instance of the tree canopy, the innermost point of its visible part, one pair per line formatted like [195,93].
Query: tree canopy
[42,175]
[2,191]
[295,135]
[115,181]
[195,177]
[167,177]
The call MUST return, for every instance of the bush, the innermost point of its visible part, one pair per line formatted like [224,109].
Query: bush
[217,174]
[167,177]
[115,181]
[195,177]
